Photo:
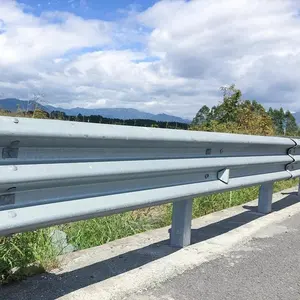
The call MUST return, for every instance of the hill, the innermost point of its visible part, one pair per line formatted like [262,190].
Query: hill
[12,104]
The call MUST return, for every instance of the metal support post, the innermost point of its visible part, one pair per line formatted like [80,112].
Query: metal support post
[265,198]
[181,223]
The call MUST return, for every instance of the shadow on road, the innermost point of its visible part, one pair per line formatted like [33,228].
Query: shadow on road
[49,286]
[292,198]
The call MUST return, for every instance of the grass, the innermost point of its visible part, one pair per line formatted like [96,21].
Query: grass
[93,232]
[20,250]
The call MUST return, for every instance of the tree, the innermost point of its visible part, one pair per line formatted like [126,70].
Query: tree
[253,119]
[58,115]
[40,114]
[228,110]
[257,107]
[284,122]
[201,116]
[79,118]
[291,127]
[278,118]
[235,115]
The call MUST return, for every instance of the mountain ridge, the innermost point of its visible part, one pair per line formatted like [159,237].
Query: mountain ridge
[12,104]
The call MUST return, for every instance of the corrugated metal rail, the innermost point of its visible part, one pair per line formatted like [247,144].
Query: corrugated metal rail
[53,172]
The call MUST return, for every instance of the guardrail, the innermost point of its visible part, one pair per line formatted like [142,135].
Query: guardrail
[53,172]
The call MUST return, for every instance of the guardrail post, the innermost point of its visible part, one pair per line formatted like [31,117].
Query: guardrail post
[265,198]
[180,234]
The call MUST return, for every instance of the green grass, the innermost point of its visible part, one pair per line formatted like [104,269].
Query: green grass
[19,250]
[90,233]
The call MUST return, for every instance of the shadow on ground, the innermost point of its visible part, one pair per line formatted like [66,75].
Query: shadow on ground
[50,286]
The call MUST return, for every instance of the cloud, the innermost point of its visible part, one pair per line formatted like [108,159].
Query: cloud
[255,44]
[170,58]
[28,38]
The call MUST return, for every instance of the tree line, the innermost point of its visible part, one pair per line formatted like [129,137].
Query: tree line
[38,113]
[235,115]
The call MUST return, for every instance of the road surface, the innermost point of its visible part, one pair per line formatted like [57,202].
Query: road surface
[266,267]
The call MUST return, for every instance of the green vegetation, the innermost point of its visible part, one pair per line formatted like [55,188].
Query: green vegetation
[232,115]
[20,250]
[236,115]
[58,115]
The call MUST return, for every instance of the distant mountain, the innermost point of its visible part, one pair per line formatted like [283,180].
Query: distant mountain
[12,104]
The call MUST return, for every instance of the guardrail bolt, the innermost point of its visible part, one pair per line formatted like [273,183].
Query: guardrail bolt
[9,197]
[208,151]
[221,151]
[206,176]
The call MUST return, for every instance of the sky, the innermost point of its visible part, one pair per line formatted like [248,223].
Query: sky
[167,56]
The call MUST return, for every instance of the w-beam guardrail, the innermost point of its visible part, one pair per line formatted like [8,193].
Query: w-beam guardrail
[53,172]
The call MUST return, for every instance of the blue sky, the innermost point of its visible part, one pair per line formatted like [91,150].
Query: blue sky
[106,10]
[169,56]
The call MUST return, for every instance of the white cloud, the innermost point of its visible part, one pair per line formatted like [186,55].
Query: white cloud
[28,38]
[255,44]
[171,58]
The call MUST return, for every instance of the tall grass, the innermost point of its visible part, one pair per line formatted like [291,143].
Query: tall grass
[22,249]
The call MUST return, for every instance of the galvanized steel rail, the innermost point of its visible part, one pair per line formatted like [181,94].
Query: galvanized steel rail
[53,172]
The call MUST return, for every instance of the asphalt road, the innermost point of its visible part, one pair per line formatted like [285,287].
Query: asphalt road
[266,267]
